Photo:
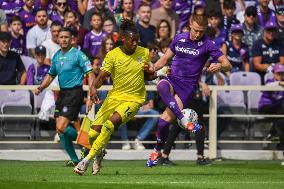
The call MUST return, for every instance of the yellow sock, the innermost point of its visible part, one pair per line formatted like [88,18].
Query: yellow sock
[93,134]
[101,140]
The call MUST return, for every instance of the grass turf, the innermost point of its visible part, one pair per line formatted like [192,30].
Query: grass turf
[134,175]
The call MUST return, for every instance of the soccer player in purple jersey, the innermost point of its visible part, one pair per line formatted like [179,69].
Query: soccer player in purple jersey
[190,51]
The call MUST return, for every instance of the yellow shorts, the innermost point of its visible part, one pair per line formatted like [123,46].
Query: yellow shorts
[127,110]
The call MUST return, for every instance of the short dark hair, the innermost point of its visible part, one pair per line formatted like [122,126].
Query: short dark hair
[16,19]
[5,36]
[251,10]
[229,4]
[214,13]
[127,26]
[41,9]
[143,4]
[65,29]
[55,23]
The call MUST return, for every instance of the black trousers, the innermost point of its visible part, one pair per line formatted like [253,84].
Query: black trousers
[195,104]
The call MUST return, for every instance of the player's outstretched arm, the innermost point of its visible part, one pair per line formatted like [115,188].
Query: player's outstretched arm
[222,65]
[97,83]
[164,59]
[45,83]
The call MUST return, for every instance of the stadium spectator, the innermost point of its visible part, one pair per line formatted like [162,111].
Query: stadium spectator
[267,51]
[163,30]
[18,43]
[52,45]
[199,8]
[59,10]
[12,69]
[265,14]
[39,33]
[93,39]
[214,5]
[214,22]
[236,51]
[27,14]
[109,28]
[127,12]
[179,86]
[252,31]
[183,9]
[146,31]
[196,104]
[70,73]
[44,4]
[125,99]
[99,8]
[153,4]
[107,45]
[272,102]
[71,20]
[229,7]
[165,12]
[163,46]
[280,22]
[3,21]
[36,72]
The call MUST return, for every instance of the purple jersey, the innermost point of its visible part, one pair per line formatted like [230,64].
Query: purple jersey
[271,98]
[11,7]
[28,19]
[93,42]
[36,74]
[188,62]
[183,9]
[18,45]
[54,16]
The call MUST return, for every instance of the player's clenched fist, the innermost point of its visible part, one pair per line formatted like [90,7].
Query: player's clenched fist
[214,67]
[148,68]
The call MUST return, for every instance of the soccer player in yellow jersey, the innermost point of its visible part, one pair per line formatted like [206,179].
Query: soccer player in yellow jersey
[128,66]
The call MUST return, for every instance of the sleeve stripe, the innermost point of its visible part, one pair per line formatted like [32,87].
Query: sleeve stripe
[89,71]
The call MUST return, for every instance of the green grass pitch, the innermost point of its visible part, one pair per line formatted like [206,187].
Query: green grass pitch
[226,174]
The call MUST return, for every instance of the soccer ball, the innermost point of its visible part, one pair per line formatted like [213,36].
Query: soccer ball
[190,114]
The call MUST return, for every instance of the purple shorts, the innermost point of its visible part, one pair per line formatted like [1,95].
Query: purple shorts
[184,89]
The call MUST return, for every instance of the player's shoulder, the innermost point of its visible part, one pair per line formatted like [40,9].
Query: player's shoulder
[141,49]
[182,37]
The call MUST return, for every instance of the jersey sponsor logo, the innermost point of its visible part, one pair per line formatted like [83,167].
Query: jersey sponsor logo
[88,65]
[189,51]
[270,52]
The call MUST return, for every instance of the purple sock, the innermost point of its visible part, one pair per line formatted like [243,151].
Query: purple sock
[170,101]
[162,133]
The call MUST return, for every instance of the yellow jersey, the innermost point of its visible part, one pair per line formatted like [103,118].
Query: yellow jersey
[127,74]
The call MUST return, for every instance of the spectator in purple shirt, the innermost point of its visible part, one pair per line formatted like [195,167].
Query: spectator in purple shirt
[27,13]
[60,8]
[93,39]
[36,72]
[18,43]
[272,102]
[214,22]
[11,7]
[190,51]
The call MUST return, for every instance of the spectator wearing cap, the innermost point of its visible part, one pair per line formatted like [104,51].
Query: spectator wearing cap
[51,44]
[165,12]
[280,22]
[267,51]
[3,21]
[38,33]
[252,31]
[236,51]
[264,13]
[12,69]
[36,72]
[272,102]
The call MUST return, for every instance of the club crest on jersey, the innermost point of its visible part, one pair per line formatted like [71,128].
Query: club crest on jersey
[61,63]
[139,60]
[200,43]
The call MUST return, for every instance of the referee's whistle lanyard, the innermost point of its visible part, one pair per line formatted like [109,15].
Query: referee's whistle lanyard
[272,17]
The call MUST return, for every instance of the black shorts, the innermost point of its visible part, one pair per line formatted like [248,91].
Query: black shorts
[69,103]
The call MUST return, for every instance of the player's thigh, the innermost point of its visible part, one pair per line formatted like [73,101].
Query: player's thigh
[127,110]
[107,109]
[168,115]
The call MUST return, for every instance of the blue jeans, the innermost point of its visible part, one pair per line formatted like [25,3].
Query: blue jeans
[146,128]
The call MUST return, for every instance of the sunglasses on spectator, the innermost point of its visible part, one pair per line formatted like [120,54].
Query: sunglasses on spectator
[61,4]
[153,49]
